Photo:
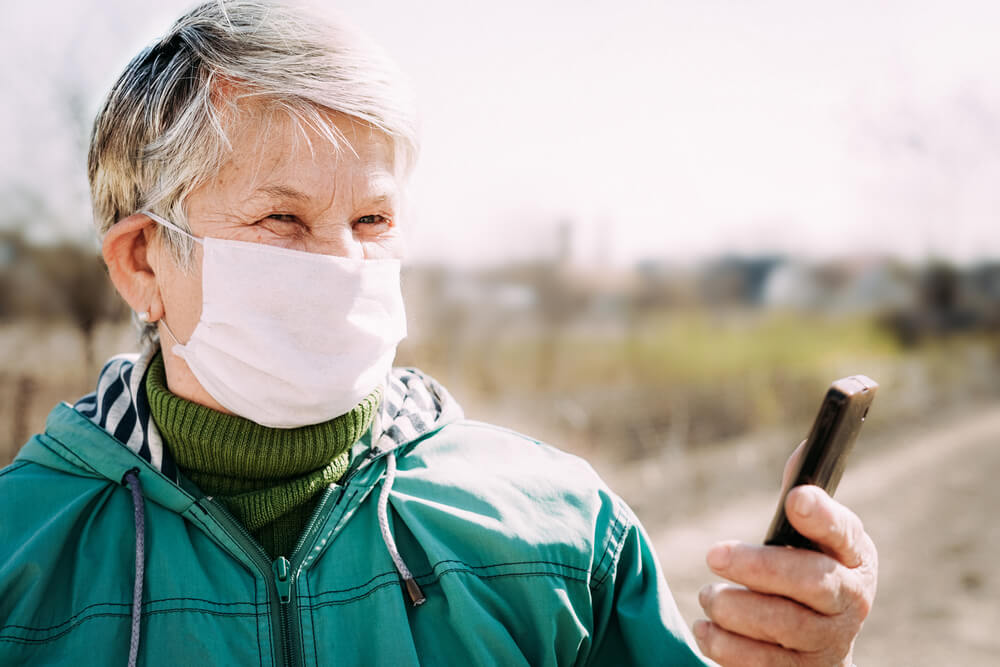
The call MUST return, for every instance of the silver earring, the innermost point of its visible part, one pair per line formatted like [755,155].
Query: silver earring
[144,316]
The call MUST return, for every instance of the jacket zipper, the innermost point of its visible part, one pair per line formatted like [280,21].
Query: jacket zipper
[286,572]
[281,573]
[283,585]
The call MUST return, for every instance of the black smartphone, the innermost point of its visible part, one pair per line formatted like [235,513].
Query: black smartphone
[837,424]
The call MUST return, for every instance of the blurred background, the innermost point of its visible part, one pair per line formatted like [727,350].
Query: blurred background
[649,233]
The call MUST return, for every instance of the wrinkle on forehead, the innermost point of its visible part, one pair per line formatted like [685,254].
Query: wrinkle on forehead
[266,136]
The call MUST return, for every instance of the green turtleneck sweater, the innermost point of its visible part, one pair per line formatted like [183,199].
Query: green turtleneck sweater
[269,478]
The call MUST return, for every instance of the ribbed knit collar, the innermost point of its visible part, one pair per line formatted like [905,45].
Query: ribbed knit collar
[213,443]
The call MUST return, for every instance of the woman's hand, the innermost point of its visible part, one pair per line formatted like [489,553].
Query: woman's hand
[793,606]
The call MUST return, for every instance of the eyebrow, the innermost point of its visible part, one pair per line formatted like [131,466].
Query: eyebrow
[383,196]
[379,196]
[380,199]
[283,191]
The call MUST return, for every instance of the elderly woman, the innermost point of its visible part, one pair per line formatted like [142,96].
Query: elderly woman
[260,487]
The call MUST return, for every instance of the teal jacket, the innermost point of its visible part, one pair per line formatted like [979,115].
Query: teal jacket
[523,554]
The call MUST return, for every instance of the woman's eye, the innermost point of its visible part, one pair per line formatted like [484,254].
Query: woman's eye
[280,223]
[282,217]
[374,223]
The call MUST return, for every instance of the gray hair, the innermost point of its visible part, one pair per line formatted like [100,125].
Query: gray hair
[162,130]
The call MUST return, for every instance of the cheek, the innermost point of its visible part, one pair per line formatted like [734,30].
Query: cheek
[387,247]
[182,296]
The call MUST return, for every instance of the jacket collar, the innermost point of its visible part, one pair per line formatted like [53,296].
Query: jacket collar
[414,405]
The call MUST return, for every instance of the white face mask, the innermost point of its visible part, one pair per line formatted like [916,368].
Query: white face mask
[289,338]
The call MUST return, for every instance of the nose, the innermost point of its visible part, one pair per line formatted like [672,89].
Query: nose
[338,242]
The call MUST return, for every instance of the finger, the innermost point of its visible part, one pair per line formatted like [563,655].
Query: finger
[791,465]
[729,649]
[832,526]
[811,578]
[768,618]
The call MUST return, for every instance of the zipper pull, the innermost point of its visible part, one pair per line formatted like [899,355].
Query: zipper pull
[283,579]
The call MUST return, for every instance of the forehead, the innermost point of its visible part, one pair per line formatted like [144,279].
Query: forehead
[322,153]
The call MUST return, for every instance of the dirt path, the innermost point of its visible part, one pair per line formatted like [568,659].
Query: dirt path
[933,508]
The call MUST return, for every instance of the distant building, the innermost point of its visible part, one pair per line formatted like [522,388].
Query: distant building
[852,286]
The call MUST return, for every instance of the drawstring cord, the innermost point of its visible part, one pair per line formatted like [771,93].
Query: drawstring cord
[131,480]
[412,588]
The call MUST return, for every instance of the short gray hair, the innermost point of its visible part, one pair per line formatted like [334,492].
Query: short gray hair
[162,130]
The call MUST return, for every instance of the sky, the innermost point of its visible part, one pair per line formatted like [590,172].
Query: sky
[660,130]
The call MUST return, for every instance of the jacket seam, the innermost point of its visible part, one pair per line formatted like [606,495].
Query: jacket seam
[333,603]
[81,621]
[77,459]
[312,628]
[382,575]
[16,465]
[459,570]
[307,562]
[465,565]
[513,562]
[256,627]
[128,605]
[208,528]
[612,547]
[436,580]
[618,542]
[145,605]
[472,423]
[434,576]
[342,513]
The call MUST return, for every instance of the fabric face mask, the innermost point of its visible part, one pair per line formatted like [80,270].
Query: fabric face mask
[288,338]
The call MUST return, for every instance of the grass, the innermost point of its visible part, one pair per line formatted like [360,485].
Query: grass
[691,348]
[697,377]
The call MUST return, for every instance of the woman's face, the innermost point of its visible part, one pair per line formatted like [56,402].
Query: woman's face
[280,188]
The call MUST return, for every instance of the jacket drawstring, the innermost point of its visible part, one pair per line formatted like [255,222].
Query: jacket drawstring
[412,588]
[131,480]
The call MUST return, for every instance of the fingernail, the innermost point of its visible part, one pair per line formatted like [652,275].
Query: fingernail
[700,629]
[718,557]
[804,504]
[703,595]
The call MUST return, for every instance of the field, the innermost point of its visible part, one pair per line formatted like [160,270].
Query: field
[690,418]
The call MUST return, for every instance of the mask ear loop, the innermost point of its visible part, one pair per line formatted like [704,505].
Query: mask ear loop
[171,226]
[167,327]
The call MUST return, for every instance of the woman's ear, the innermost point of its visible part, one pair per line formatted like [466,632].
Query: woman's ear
[127,249]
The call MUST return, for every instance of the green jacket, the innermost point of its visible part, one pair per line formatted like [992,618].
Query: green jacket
[524,555]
